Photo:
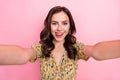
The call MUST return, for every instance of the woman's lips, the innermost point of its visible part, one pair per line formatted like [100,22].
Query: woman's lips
[59,34]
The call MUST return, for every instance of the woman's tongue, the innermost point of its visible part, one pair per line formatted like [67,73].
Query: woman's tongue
[58,34]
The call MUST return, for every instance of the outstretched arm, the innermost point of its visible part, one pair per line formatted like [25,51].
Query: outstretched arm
[12,54]
[104,50]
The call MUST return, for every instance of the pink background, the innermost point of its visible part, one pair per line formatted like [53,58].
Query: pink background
[96,20]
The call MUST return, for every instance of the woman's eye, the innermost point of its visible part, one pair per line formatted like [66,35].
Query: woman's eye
[65,23]
[54,23]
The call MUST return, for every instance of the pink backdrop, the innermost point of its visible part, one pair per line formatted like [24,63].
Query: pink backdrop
[96,20]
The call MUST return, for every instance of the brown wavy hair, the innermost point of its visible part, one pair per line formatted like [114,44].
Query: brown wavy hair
[47,38]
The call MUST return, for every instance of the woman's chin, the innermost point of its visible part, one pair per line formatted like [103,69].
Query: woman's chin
[59,40]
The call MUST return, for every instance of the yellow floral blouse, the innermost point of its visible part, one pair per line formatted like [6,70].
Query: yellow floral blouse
[66,70]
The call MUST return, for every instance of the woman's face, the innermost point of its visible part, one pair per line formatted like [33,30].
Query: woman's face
[60,26]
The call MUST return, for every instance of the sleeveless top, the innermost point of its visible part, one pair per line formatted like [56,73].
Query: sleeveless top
[67,68]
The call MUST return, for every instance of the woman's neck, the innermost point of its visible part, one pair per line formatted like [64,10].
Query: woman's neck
[58,44]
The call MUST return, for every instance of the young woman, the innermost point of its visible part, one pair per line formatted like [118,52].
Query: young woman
[58,49]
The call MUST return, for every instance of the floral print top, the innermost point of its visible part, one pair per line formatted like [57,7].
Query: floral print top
[66,70]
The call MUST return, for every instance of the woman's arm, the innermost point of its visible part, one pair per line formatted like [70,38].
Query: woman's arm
[104,50]
[12,54]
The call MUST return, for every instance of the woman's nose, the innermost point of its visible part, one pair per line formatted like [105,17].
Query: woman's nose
[59,27]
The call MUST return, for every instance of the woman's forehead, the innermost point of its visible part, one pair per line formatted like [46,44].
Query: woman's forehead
[60,16]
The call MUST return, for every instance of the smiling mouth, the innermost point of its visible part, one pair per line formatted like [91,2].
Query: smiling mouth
[59,34]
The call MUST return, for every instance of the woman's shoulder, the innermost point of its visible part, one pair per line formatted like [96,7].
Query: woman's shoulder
[37,45]
[79,44]
[80,51]
[37,48]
